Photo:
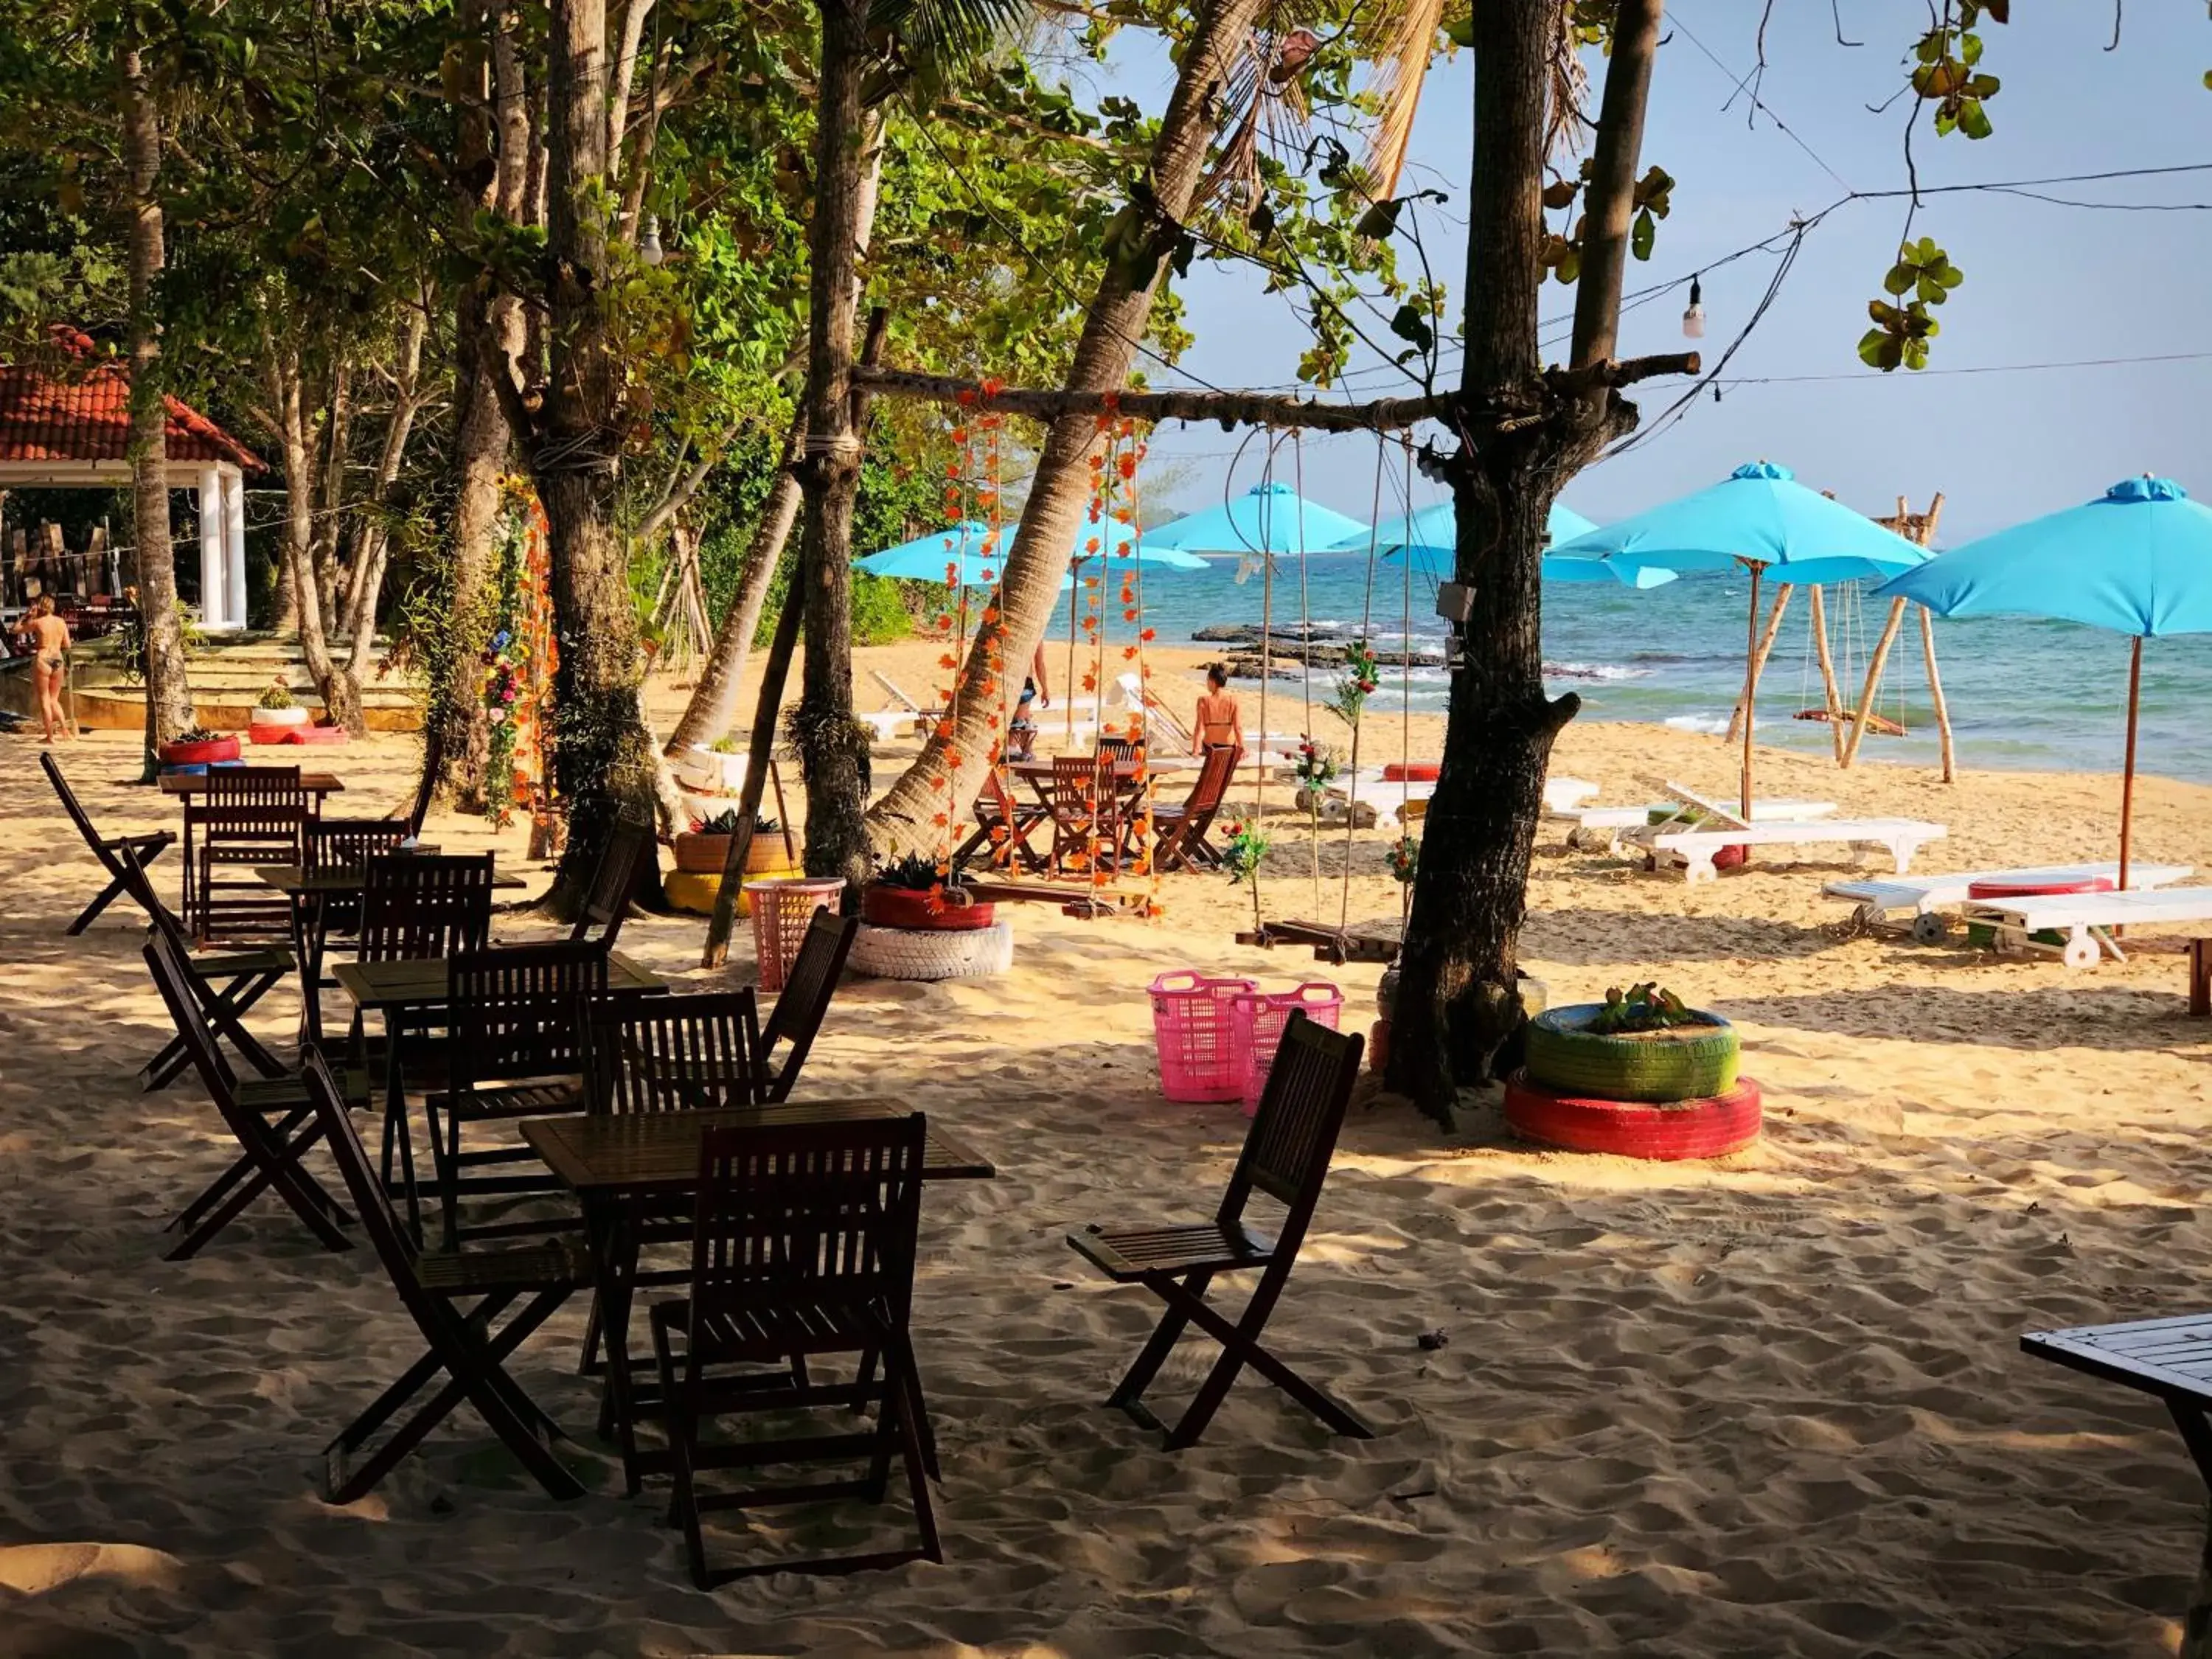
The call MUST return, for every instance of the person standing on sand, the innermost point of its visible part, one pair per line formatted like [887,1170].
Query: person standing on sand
[1218,721]
[49,644]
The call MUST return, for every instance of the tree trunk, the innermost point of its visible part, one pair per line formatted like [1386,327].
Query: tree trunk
[1120,312]
[714,706]
[832,756]
[488,332]
[603,760]
[168,692]
[336,444]
[341,696]
[371,540]
[1458,1013]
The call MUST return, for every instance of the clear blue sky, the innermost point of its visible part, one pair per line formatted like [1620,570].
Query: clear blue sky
[2044,283]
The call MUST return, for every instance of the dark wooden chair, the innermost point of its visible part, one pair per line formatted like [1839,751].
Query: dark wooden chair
[272,1122]
[1082,804]
[1118,751]
[614,879]
[1180,832]
[248,815]
[515,1049]
[808,985]
[108,849]
[1286,1156]
[672,1053]
[804,1247]
[469,1346]
[346,844]
[224,986]
[1003,827]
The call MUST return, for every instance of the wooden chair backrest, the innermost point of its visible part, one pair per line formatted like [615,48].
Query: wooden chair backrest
[1214,774]
[1293,1133]
[1115,751]
[172,978]
[349,843]
[77,812]
[996,796]
[415,906]
[788,1213]
[808,985]
[378,1219]
[253,786]
[517,1011]
[606,904]
[1078,786]
[140,888]
[673,1053]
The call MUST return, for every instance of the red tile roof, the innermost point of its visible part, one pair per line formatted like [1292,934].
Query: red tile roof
[85,415]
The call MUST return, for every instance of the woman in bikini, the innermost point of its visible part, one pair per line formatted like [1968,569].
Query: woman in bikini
[1218,721]
[50,643]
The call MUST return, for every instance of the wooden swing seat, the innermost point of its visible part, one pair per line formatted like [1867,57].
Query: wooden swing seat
[1333,944]
[1879,726]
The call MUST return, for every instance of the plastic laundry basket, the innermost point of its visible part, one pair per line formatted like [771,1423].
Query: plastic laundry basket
[781,911]
[1257,1018]
[1191,1028]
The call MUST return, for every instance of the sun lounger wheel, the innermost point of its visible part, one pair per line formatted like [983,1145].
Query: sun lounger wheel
[2080,953]
[1930,928]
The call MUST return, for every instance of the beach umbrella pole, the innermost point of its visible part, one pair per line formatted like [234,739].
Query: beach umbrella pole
[1750,686]
[2127,766]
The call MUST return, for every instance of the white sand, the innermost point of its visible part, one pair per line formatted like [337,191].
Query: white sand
[1771,1406]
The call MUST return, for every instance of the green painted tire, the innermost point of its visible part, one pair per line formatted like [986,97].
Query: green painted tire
[1688,1063]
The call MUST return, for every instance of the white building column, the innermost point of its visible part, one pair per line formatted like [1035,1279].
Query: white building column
[234,544]
[213,613]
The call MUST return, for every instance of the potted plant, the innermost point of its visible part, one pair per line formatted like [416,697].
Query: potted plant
[199,746]
[1643,1043]
[706,848]
[278,706]
[922,895]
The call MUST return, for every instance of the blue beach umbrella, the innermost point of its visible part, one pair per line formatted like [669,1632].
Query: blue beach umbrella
[1430,530]
[960,548]
[2137,560]
[1269,518]
[1760,517]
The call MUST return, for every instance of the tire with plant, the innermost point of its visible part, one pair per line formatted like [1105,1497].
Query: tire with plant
[917,895]
[1644,1046]
[1707,1127]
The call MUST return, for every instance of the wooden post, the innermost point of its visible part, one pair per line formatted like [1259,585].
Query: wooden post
[1936,694]
[1828,690]
[1761,649]
[1873,679]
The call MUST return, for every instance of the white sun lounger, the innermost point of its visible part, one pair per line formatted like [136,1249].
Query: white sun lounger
[1602,828]
[1898,838]
[2087,919]
[1928,896]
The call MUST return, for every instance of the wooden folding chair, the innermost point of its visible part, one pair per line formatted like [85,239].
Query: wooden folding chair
[248,815]
[1181,831]
[272,1122]
[1003,827]
[1286,1156]
[672,1053]
[614,879]
[515,1050]
[1082,803]
[808,985]
[108,849]
[346,844]
[468,1347]
[224,986]
[803,1247]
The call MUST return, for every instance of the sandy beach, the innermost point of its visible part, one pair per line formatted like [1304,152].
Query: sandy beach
[1769,1405]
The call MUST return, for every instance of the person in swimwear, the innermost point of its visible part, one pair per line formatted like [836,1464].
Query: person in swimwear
[49,644]
[1218,721]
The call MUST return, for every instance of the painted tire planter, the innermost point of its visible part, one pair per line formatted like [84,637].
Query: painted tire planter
[1709,1126]
[698,854]
[1682,1062]
[903,953]
[292,716]
[902,908]
[1410,771]
[199,754]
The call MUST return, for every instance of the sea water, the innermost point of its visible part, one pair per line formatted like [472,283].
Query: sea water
[2023,693]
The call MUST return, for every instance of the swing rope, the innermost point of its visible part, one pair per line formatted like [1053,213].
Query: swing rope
[1366,623]
[1305,677]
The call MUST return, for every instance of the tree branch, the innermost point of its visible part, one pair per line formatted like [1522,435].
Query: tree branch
[1230,408]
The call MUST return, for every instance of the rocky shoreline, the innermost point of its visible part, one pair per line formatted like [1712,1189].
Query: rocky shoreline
[1318,647]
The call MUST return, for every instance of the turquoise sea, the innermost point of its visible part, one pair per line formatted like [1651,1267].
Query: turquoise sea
[2023,693]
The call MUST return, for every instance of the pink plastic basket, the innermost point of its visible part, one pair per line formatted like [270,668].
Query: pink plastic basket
[1198,1060]
[782,910]
[1257,1018]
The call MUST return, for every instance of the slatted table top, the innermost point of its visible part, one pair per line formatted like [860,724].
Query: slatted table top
[415,983]
[649,1152]
[195,783]
[2169,1355]
[296,878]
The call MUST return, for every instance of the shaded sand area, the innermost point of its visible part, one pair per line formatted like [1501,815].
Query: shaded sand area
[1772,1405]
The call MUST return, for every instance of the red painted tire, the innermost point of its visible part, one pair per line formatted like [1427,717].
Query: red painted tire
[909,912]
[2005,890]
[1410,771]
[1684,1128]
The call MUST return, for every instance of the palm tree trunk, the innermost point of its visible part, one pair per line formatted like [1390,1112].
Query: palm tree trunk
[168,692]
[1061,487]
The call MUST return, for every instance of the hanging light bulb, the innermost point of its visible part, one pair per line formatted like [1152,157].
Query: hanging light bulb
[649,246]
[1693,319]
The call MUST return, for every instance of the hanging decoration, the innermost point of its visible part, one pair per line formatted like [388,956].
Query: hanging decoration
[973,495]
[518,661]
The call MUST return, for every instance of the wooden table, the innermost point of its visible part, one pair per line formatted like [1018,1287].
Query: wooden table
[407,993]
[1132,778]
[619,1166]
[189,784]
